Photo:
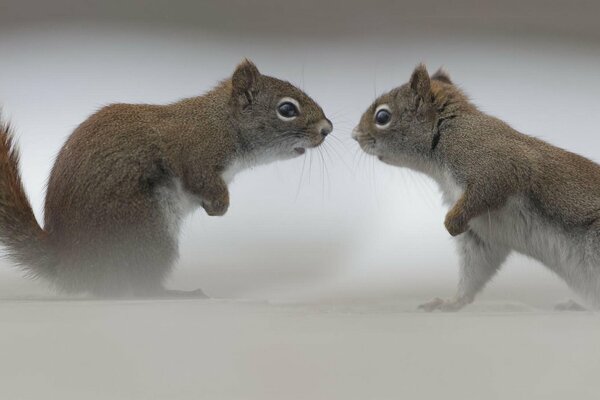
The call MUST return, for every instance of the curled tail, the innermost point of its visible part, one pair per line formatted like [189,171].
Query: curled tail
[24,241]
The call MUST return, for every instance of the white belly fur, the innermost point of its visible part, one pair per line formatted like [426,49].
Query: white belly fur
[519,227]
[177,203]
[232,170]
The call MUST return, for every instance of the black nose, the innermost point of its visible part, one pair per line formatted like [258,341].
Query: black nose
[326,130]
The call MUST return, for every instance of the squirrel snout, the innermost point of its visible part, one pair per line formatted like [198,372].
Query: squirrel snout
[325,127]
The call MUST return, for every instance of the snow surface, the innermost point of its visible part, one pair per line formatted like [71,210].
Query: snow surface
[56,348]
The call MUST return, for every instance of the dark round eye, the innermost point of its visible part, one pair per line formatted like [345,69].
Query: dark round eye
[287,110]
[382,117]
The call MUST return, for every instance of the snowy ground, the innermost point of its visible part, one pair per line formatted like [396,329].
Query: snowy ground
[52,348]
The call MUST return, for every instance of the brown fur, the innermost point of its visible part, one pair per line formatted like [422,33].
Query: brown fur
[487,156]
[26,241]
[105,225]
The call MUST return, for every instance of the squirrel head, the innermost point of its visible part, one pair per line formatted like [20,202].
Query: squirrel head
[274,117]
[404,123]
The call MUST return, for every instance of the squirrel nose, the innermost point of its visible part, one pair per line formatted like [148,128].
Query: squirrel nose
[326,127]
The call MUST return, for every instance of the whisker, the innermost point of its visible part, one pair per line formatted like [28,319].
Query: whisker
[301,178]
[309,166]
[340,157]
[322,174]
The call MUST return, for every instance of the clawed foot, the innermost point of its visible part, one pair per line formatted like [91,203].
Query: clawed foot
[445,305]
[569,306]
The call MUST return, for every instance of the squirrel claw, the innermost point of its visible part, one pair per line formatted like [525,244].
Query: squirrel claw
[445,305]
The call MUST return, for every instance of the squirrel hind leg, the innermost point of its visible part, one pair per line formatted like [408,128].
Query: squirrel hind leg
[123,275]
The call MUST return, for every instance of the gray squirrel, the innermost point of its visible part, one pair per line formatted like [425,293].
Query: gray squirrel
[506,191]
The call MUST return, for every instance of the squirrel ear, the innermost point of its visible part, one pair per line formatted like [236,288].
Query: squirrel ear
[442,76]
[244,81]
[420,82]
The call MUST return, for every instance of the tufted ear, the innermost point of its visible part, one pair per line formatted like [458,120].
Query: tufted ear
[244,82]
[442,76]
[420,82]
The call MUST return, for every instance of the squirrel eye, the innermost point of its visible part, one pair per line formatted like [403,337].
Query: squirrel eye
[383,117]
[287,110]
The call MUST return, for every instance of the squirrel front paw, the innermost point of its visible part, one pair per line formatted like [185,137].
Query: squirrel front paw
[455,223]
[215,208]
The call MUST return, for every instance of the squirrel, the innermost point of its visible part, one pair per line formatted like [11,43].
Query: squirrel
[129,174]
[506,191]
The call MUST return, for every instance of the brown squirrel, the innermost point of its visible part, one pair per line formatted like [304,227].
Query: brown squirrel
[507,191]
[127,176]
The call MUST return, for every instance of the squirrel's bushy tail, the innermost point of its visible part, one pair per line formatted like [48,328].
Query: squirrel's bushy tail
[22,238]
